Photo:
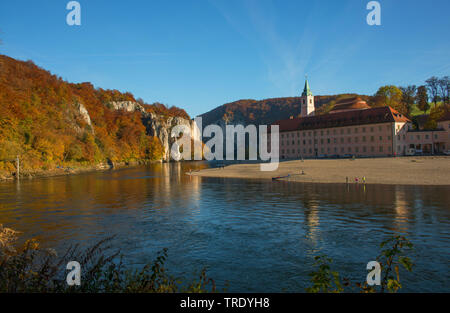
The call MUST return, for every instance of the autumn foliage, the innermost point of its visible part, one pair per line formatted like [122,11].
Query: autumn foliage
[40,120]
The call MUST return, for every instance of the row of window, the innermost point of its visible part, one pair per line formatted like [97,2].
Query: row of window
[330,140]
[334,131]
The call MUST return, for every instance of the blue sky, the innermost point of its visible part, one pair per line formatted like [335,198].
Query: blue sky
[199,54]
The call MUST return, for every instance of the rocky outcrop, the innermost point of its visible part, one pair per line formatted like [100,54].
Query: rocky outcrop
[84,113]
[127,106]
[158,125]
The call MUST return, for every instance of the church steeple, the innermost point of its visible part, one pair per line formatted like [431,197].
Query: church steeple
[307,101]
[306,90]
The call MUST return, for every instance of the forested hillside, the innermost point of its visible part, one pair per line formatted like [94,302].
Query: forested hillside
[269,110]
[49,122]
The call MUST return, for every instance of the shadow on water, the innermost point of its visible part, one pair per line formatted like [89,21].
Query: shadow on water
[257,235]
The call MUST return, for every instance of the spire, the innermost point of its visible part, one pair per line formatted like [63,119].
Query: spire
[306,90]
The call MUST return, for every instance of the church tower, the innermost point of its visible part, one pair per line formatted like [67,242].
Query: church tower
[307,101]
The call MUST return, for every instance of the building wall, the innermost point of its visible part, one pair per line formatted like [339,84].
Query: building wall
[429,141]
[445,125]
[359,140]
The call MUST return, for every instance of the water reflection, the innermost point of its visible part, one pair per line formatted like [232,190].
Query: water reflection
[250,233]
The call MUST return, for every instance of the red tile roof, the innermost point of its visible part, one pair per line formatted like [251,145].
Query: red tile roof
[355,103]
[346,118]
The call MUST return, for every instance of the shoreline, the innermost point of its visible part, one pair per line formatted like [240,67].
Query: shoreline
[66,171]
[416,170]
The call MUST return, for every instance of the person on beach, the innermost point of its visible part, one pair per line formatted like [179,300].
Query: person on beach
[364,179]
[356,180]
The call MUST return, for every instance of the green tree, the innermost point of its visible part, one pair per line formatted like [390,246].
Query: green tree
[392,96]
[422,99]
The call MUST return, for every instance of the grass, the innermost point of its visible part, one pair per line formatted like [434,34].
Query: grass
[416,111]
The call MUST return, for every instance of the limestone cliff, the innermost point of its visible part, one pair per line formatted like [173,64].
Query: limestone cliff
[158,125]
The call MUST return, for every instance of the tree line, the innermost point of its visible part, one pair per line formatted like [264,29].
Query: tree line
[406,99]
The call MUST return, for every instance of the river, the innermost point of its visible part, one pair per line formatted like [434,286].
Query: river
[253,236]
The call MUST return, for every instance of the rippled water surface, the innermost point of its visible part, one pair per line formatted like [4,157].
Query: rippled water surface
[254,235]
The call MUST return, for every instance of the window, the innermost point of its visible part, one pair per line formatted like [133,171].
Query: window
[356,139]
[364,138]
[356,130]
[381,148]
[363,129]
[381,138]
[364,149]
[349,139]
[357,149]
[372,138]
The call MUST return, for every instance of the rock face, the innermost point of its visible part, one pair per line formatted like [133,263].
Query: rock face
[158,125]
[161,127]
[127,106]
[84,114]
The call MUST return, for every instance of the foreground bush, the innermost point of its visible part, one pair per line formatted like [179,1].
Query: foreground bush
[34,269]
[392,258]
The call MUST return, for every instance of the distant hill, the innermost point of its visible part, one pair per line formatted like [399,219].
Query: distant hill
[267,111]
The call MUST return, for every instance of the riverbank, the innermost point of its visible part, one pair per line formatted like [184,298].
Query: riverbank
[430,170]
[69,170]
